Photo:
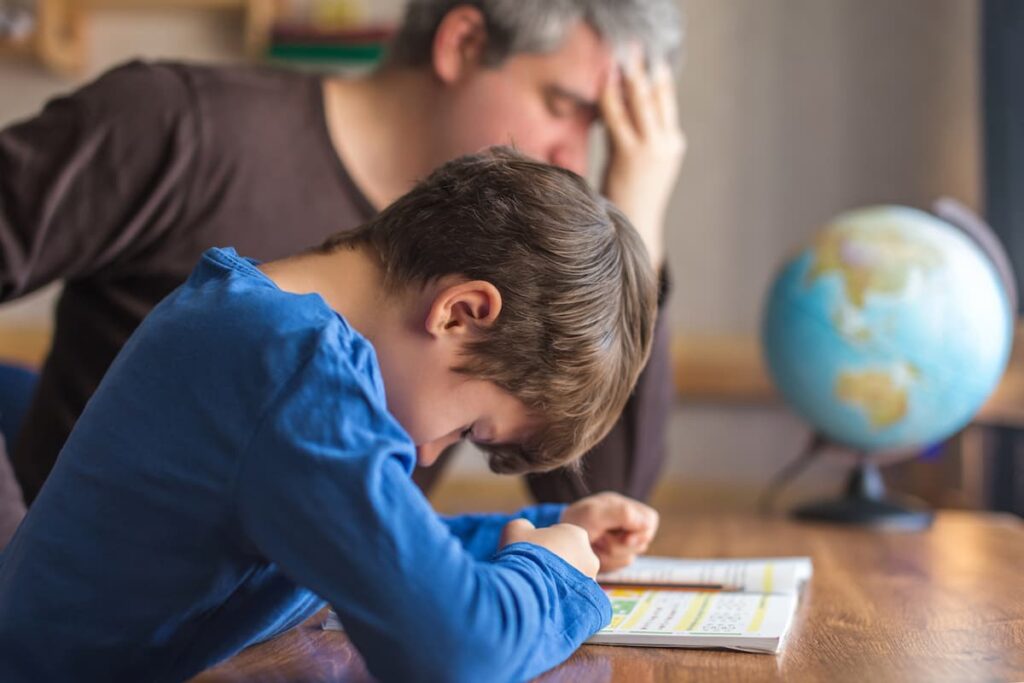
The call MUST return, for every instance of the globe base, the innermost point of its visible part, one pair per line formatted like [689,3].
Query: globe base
[889,514]
[866,503]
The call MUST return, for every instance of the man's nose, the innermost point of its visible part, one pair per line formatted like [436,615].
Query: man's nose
[572,153]
[571,158]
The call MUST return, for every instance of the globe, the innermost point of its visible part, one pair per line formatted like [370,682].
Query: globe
[889,330]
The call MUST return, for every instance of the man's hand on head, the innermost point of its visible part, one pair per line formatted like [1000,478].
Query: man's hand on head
[619,528]
[646,146]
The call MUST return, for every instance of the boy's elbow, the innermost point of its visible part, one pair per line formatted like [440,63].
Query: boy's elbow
[497,631]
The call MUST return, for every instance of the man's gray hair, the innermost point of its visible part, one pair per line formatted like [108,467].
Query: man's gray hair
[517,26]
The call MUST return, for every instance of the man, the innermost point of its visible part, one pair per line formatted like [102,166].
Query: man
[118,188]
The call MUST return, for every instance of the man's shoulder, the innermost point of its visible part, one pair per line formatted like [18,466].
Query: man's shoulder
[133,88]
[239,78]
[243,91]
[238,89]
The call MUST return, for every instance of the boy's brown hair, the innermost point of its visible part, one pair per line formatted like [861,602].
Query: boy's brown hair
[578,290]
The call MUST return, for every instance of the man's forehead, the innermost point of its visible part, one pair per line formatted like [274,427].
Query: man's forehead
[579,66]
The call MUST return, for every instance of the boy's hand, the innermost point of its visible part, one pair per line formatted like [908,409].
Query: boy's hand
[565,540]
[646,146]
[619,528]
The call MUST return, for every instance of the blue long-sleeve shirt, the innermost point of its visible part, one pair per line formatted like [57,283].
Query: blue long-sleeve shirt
[236,468]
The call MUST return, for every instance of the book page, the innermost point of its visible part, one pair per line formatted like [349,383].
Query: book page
[744,621]
[754,575]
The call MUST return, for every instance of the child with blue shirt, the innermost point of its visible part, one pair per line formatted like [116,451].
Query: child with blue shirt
[248,454]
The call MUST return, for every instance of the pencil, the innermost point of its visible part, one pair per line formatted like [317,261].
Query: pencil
[687,587]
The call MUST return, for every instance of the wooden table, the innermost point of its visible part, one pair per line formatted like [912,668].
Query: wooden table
[943,605]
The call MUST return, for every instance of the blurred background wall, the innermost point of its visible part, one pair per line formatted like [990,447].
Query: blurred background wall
[794,110]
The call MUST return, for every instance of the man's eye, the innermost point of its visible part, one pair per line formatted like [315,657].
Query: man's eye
[560,107]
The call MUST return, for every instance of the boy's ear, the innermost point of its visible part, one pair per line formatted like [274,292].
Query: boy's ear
[463,308]
[459,43]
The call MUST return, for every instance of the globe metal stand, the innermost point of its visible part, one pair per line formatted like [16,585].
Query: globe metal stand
[865,503]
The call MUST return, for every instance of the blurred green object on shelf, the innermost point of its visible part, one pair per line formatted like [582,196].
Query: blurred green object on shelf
[361,44]
[311,52]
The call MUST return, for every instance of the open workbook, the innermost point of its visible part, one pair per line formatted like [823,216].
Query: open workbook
[668,602]
[737,604]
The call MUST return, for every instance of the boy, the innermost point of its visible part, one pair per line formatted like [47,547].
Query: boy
[240,464]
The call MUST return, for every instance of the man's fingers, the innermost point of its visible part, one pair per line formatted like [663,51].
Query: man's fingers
[613,110]
[639,98]
[665,96]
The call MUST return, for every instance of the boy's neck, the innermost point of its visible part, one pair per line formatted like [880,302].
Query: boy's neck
[350,280]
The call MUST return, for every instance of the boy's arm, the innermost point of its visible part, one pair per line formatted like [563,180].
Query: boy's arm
[324,492]
[479,533]
[95,176]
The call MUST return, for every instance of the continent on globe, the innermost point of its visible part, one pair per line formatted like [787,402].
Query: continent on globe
[882,394]
[877,261]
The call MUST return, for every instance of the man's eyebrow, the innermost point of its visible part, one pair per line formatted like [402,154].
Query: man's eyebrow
[581,101]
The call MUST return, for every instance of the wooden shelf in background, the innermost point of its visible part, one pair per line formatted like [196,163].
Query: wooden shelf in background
[24,345]
[24,47]
[60,38]
[720,368]
[162,4]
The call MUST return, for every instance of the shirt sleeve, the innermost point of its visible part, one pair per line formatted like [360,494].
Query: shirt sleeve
[479,534]
[324,492]
[98,175]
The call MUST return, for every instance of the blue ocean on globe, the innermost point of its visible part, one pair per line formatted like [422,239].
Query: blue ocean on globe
[889,331]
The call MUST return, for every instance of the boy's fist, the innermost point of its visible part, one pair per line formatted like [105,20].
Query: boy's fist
[619,528]
[565,540]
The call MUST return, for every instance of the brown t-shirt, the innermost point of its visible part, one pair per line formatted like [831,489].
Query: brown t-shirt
[119,187]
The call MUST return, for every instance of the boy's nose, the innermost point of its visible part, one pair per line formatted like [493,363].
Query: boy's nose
[428,453]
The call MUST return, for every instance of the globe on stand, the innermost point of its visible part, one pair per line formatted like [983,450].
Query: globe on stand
[887,334]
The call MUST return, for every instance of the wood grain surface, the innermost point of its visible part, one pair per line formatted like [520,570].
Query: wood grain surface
[942,605]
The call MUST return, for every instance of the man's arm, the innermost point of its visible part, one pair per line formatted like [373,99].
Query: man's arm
[646,147]
[95,177]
